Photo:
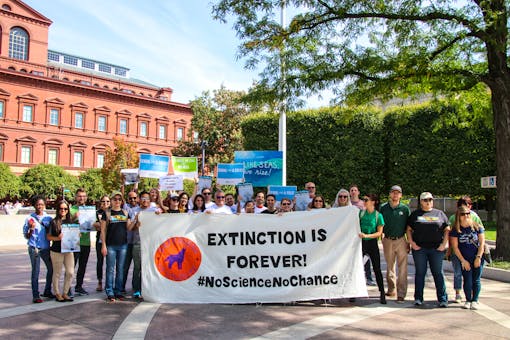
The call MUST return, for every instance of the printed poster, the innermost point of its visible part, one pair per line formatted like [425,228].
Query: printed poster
[230,174]
[153,166]
[185,166]
[261,168]
[71,238]
[86,218]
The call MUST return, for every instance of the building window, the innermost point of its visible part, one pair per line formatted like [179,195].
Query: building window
[18,44]
[162,132]
[101,124]
[70,60]
[28,113]
[52,56]
[77,159]
[54,117]
[1,152]
[26,155]
[180,133]
[143,129]
[78,120]
[123,126]
[105,68]
[2,109]
[53,156]
[120,72]
[88,64]
[100,160]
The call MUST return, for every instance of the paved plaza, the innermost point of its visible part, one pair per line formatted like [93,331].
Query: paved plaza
[90,317]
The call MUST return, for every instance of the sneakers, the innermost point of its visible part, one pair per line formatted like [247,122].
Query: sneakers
[119,297]
[467,305]
[80,291]
[49,295]
[37,300]
[458,298]
[371,283]
[137,295]
[474,305]
[443,304]
[418,303]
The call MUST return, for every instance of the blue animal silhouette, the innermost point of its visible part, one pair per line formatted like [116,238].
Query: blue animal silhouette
[179,258]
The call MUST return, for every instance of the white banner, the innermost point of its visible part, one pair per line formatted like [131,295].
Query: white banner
[251,258]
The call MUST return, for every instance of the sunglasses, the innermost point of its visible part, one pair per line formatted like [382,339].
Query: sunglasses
[206,193]
[318,201]
[342,196]
[465,214]
[310,187]
[132,198]
[145,199]
[285,203]
[105,201]
[427,200]
[175,198]
[63,209]
[220,197]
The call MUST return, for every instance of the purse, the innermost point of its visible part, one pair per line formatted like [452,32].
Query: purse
[487,254]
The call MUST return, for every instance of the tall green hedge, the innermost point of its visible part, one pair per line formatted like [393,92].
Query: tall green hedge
[412,147]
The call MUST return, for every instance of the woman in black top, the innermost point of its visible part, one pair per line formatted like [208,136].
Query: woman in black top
[58,258]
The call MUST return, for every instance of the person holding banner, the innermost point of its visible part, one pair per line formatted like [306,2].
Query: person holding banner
[231,202]
[183,202]
[157,201]
[371,224]
[342,199]
[172,202]
[114,227]
[198,205]
[219,206]
[285,206]
[271,205]
[55,235]
[317,202]
[259,202]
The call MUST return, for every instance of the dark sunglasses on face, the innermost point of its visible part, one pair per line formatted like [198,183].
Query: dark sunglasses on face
[132,198]
[220,197]
[63,209]
[465,214]
[341,196]
[285,203]
[206,193]
[105,201]
[174,198]
[145,199]
[318,201]
[427,200]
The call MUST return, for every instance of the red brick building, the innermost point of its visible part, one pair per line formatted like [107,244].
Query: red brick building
[61,109]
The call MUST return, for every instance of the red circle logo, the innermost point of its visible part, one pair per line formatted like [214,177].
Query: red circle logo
[178,258]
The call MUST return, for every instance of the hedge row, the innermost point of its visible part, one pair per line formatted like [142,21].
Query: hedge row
[412,147]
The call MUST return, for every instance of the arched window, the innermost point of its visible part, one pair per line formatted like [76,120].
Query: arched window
[18,43]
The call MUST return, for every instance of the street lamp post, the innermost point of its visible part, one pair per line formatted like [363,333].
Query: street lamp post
[203,145]
[282,126]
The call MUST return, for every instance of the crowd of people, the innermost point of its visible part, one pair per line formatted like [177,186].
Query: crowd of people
[426,233]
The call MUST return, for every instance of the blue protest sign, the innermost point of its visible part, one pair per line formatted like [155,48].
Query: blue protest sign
[261,168]
[153,166]
[281,191]
[230,173]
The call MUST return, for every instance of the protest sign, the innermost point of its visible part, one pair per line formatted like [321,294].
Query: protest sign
[302,200]
[86,218]
[185,166]
[252,258]
[70,238]
[172,182]
[261,168]
[245,192]
[230,174]
[281,191]
[130,176]
[204,182]
[153,166]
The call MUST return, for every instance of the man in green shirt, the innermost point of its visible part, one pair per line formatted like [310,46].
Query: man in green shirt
[81,257]
[395,245]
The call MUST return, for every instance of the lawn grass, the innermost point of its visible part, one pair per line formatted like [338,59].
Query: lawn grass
[490,230]
[500,264]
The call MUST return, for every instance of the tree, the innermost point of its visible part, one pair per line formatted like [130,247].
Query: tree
[216,119]
[92,181]
[123,155]
[366,49]
[47,180]
[9,182]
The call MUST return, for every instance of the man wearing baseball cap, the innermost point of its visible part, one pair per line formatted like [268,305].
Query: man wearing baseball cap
[395,245]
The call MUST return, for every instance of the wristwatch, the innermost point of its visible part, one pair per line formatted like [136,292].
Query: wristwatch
[479,256]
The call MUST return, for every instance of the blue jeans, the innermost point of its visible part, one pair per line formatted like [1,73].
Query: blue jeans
[115,259]
[35,261]
[457,272]
[434,258]
[472,284]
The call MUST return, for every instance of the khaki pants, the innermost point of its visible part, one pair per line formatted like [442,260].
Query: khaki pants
[396,251]
[59,259]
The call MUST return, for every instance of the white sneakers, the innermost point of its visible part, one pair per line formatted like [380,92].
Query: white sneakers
[471,305]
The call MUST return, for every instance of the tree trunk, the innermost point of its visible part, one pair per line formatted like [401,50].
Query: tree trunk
[501,111]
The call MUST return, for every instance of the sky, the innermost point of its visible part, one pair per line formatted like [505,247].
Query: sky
[168,43]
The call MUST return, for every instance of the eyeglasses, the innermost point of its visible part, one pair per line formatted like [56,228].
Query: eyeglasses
[285,203]
[427,200]
[206,193]
[318,201]
[145,199]
[174,198]
[220,197]
[105,201]
[310,187]
[63,209]
[132,198]
[465,214]
[342,196]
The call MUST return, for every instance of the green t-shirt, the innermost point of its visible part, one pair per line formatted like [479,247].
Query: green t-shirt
[84,237]
[369,221]
[395,219]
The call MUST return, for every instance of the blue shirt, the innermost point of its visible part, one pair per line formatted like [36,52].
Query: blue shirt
[468,242]
[38,237]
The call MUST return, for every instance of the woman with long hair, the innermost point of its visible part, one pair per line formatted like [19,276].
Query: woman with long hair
[183,202]
[58,258]
[157,200]
[372,224]
[342,199]
[468,241]
[198,204]
[318,202]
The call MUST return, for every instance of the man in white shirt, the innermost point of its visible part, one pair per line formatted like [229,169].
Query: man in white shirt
[260,199]
[219,206]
